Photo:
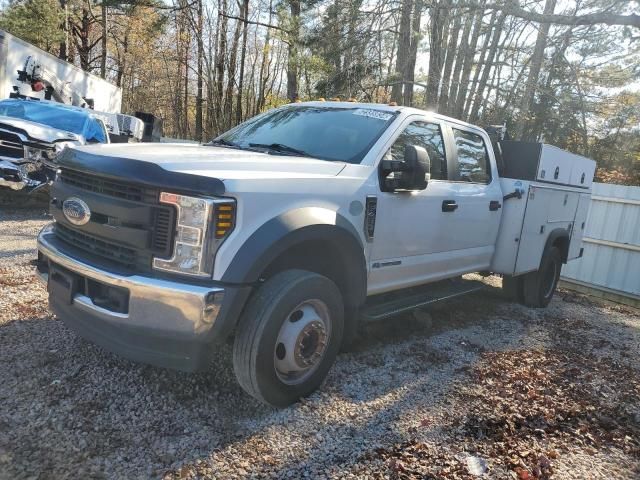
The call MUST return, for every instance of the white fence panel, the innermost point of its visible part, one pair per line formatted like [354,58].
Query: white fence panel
[611,259]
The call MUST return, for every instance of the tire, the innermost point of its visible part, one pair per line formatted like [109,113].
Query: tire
[296,318]
[539,286]
[351,332]
[513,288]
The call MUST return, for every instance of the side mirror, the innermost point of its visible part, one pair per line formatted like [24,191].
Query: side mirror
[410,174]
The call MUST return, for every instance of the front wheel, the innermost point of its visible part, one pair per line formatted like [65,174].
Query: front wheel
[288,337]
[539,286]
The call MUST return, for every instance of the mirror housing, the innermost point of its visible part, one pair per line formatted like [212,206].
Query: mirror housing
[410,174]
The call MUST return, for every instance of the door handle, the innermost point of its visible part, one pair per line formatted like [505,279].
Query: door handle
[449,205]
[494,205]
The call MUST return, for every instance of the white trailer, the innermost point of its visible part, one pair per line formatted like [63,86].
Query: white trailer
[68,79]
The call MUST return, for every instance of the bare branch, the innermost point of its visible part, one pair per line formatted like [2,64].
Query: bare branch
[514,9]
[250,22]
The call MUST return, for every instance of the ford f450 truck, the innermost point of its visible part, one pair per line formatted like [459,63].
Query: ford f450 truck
[287,231]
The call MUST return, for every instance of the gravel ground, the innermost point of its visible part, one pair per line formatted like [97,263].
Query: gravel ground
[490,390]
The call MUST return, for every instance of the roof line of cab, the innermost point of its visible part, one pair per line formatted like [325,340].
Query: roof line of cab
[388,108]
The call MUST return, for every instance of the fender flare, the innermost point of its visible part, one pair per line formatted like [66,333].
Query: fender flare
[291,228]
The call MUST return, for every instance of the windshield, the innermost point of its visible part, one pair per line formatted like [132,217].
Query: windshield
[338,134]
[59,118]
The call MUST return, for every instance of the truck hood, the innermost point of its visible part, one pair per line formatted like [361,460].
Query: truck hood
[218,162]
[37,131]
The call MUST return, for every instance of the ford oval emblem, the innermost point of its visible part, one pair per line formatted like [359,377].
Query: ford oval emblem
[76,211]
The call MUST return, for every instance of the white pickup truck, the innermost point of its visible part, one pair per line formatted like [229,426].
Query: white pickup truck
[287,231]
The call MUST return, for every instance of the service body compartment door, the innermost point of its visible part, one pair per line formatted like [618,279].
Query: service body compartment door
[579,225]
[548,209]
[562,205]
[513,209]
[546,163]
[555,165]
[582,174]
[534,234]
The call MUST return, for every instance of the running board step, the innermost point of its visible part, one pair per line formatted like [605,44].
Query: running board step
[387,305]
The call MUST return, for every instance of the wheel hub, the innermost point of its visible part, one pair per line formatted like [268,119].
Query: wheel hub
[310,344]
[302,341]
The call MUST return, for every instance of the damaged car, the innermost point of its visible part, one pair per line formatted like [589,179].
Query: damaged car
[34,133]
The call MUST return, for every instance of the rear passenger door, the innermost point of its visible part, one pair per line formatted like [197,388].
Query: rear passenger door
[478,196]
[413,232]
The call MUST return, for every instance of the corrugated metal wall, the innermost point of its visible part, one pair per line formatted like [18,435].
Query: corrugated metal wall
[611,258]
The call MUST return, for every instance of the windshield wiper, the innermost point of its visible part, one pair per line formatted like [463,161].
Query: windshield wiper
[281,148]
[224,143]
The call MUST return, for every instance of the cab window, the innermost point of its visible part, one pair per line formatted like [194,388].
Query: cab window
[473,159]
[428,136]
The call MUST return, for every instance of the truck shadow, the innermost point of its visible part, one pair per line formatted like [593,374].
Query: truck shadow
[123,408]
[441,317]
[420,380]
[395,385]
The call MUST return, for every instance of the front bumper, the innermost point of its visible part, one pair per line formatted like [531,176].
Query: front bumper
[10,175]
[156,321]
[17,177]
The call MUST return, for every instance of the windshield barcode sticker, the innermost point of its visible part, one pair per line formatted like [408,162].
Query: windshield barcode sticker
[365,112]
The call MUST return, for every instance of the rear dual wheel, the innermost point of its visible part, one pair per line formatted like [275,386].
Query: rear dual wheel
[513,288]
[536,289]
[288,337]
[539,286]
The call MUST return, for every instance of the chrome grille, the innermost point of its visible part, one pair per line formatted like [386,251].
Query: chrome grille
[128,225]
[128,258]
[10,145]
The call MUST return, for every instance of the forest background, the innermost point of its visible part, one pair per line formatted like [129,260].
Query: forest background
[563,71]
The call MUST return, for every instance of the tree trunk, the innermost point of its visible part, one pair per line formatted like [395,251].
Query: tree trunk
[292,56]
[410,67]
[123,61]
[469,56]
[443,101]
[199,72]
[404,44]
[81,37]
[486,70]
[245,15]
[221,65]
[481,60]
[534,70]
[546,95]
[459,61]
[186,85]
[231,75]
[62,52]
[103,41]
[263,76]
[439,17]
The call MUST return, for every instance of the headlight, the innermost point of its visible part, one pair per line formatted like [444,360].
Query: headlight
[33,154]
[201,225]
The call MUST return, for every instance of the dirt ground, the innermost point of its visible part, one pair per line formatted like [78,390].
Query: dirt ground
[490,390]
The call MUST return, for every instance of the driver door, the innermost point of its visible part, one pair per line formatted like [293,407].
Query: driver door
[414,231]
